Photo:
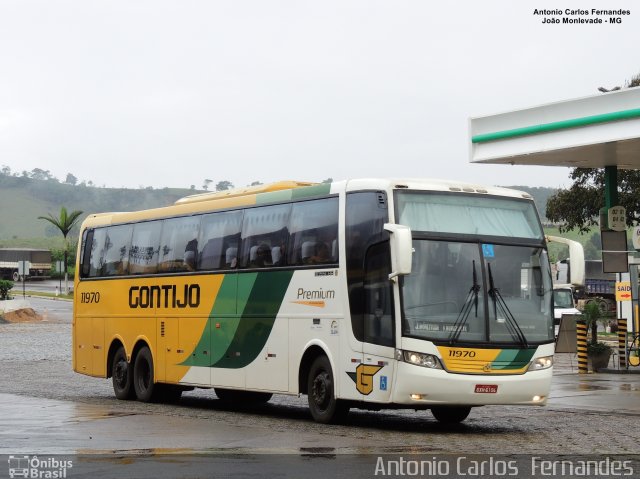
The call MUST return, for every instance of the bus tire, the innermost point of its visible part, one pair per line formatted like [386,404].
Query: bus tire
[324,406]
[450,414]
[122,375]
[143,381]
[16,276]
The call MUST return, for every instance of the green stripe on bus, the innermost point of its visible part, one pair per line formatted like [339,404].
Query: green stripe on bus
[512,359]
[557,125]
[273,197]
[223,323]
[322,189]
[245,284]
[257,321]
[235,339]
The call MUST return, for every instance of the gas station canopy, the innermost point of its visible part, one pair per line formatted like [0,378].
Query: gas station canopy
[591,132]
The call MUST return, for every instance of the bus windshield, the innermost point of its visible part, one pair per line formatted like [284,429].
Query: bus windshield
[478,292]
[478,275]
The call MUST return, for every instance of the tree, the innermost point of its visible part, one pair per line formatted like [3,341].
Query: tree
[71,179]
[40,174]
[206,184]
[579,206]
[593,247]
[328,180]
[224,185]
[255,183]
[592,316]
[65,223]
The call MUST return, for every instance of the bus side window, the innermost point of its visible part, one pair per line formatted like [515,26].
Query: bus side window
[314,232]
[218,240]
[179,244]
[97,247]
[366,213]
[263,228]
[378,299]
[145,246]
[116,250]
[87,242]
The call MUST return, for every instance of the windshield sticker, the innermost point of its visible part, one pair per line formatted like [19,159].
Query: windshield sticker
[425,326]
[487,251]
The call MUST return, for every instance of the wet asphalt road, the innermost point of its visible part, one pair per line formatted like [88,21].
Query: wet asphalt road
[47,408]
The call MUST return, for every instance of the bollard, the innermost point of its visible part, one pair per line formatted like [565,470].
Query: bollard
[581,339]
[622,343]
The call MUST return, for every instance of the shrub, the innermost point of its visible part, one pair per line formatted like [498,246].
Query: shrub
[5,287]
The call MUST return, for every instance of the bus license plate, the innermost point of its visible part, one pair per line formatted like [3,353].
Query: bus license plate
[486,388]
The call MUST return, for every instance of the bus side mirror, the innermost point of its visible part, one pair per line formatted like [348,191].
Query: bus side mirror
[576,264]
[576,259]
[401,249]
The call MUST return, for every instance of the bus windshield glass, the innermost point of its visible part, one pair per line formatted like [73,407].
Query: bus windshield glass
[478,292]
[480,271]
[468,214]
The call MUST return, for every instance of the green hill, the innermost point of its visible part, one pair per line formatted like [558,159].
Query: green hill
[23,199]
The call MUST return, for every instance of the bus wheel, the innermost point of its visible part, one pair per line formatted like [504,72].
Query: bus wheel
[143,376]
[16,276]
[121,375]
[450,414]
[324,407]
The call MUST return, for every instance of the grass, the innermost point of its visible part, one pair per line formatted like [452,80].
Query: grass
[15,294]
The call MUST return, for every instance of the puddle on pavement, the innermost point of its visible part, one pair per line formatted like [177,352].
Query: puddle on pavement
[85,412]
[592,387]
[597,387]
[629,387]
[318,451]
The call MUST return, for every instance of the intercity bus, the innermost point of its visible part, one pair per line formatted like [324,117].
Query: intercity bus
[366,293]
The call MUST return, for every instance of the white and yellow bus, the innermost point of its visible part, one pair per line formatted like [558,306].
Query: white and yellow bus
[366,293]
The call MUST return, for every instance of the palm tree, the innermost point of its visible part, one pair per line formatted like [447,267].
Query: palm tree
[65,224]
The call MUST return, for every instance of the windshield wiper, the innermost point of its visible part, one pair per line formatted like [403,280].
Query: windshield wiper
[500,304]
[471,300]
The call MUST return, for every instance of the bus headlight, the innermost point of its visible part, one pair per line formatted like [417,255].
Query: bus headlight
[538,364]
[422,359]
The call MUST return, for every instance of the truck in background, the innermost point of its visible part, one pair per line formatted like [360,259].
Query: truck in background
[39,259]
[599,287]
[573,288]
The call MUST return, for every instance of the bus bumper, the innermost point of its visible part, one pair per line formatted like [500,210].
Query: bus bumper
[421,387]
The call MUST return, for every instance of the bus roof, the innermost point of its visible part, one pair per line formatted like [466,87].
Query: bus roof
[249,190]
[431,184]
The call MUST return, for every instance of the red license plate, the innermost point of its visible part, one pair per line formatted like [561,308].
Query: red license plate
[486,388]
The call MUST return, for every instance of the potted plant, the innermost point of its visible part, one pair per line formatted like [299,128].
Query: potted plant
[598,353]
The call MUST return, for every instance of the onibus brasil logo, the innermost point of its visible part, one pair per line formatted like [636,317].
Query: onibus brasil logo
[34,467]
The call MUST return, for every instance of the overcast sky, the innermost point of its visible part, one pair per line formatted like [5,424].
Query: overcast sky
[170,93]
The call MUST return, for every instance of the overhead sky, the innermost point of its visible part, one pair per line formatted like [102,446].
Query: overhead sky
[170,93]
